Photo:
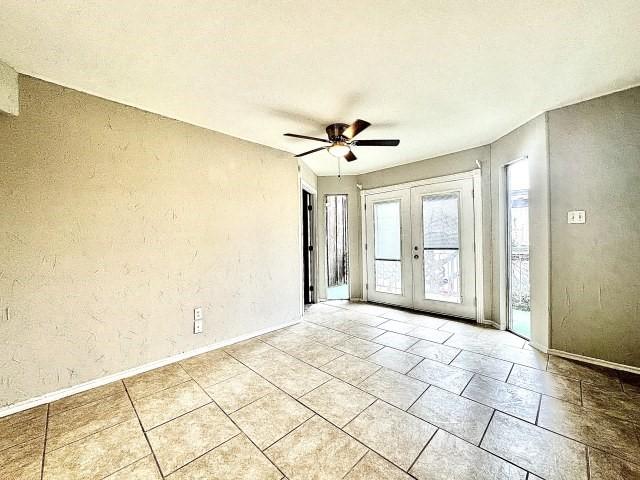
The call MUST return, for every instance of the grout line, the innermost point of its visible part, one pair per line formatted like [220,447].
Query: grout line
[143,432]
[487,428]
[423,448]
[419,397]
[236,425]
[44,445]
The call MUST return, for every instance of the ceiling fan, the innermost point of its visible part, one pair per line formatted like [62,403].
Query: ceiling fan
[341,139]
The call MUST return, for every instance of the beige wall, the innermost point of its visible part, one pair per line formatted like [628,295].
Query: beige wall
[343,185]
[457,162]
[529,140]
[595,284]
[116,223]
[8,90]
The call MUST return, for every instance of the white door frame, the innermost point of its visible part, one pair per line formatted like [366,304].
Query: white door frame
[477,210]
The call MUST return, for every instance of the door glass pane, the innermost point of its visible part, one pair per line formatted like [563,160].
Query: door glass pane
[387,247]
[518,248]
[440,219]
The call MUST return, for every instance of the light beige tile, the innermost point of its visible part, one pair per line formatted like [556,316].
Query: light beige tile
[394,388]
[396,326]
[327,336]
[425,333]
[270,418]
[337,401]
[393,433]
[165,405]
[374,467]
[457,415]
[615,403]
[238,391]
[364,318]
[539,451]
[237,459]
[417,319]
[444,376]
[37,414]
[395,360]
[502,396]
[72,425]
[362,331]
[314,353]
[550,384]
[83,398]
[581,371]
[212,367]
[23,461]
[143,469]
[316,450]
[529,358]
[288,373]
[351,369]
[607,467]
[488,366]
[247,349]
[98,455]
[368,308]
[461,326]
[22,427]
[590,427]
[182,440]
[448,457]
[150,382]
[434,351]
[359,347]
[396,340]
[284,339]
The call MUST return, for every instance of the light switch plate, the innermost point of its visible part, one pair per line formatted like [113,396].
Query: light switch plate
[197,313]
[197,326]
[576,216]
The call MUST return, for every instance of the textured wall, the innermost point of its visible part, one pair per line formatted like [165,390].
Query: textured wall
[116,223]
[8,90]
[595,284]
[529,139]
[335,185]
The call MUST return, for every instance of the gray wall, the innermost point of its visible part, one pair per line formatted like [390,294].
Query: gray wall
[529,140]
[343,185]
[115,223]
[437,167]
[595,274]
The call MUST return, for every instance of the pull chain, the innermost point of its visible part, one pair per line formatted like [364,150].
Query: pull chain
[339,175]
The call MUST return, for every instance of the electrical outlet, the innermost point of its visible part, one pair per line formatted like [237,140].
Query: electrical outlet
[197,313]
[197,326]
[576,216]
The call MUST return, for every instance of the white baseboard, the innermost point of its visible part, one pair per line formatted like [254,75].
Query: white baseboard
[594,361]
[65,392]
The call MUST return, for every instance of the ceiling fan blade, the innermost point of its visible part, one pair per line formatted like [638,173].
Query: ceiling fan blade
[350,157]
[376,143]
[355,128]
[308,138]
[310,151]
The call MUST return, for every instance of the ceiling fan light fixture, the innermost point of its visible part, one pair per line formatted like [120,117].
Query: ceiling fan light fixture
[339,149]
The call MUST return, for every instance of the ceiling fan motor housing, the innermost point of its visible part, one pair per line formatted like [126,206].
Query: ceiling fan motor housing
[335,131]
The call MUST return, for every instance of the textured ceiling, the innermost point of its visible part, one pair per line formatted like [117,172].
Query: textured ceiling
[439,75]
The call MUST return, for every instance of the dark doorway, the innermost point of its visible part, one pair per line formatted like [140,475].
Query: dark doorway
[307,246]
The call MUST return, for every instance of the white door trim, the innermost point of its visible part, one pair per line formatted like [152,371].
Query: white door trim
[477,181]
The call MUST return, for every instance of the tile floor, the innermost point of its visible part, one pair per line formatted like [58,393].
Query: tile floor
[355,391]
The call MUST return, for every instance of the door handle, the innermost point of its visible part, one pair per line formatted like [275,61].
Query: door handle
[416,256]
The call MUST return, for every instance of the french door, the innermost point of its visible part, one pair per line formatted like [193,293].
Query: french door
[420,248]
